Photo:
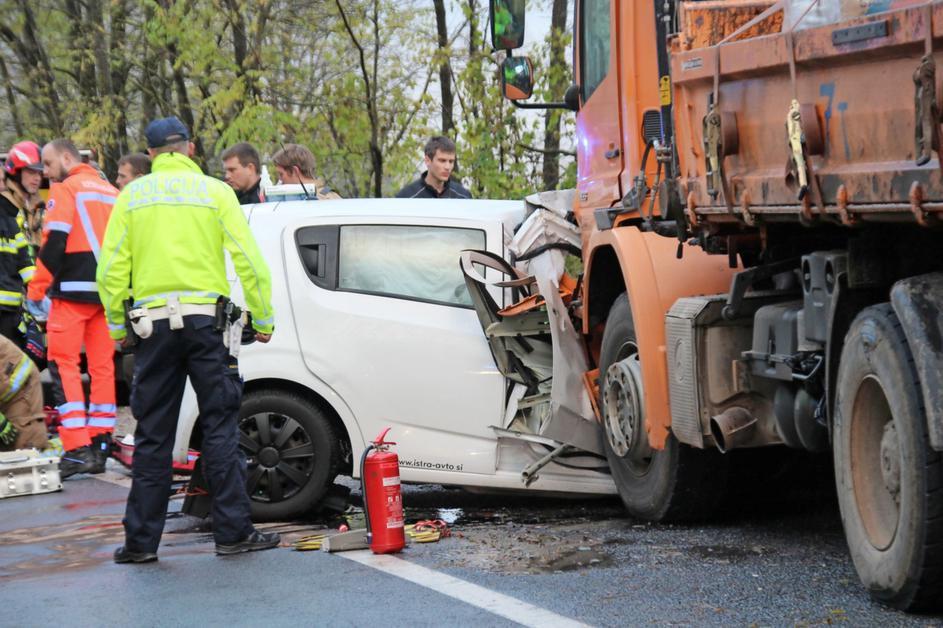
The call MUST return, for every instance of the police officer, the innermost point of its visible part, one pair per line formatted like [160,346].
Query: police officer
[168,229]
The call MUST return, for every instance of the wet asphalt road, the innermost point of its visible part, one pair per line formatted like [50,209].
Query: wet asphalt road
[773,561]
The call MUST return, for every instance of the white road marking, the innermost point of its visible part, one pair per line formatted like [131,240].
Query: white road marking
[491,601]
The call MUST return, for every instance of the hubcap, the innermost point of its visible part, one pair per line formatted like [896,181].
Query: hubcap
[875,463]
[624,409]
[279,456]
[268,457]
[890,461]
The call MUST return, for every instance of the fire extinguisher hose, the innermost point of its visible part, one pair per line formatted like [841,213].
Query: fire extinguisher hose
[363,491]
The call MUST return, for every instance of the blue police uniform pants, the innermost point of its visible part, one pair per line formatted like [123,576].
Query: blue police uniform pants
[161,365]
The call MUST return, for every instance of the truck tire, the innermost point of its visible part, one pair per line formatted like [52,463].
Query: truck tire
[292,453]
[677,483]
[889,480]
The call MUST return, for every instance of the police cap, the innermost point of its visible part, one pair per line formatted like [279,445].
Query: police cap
[166,131]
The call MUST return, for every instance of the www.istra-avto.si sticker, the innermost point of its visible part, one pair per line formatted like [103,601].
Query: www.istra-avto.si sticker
[432,466]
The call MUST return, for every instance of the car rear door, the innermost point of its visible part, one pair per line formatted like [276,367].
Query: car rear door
[385,320]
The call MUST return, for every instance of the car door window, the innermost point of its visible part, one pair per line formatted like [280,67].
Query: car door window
[412,262]
[594,49]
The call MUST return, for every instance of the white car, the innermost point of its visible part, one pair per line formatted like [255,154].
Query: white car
[375,328]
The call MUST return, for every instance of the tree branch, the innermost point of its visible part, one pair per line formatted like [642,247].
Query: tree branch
[534,149]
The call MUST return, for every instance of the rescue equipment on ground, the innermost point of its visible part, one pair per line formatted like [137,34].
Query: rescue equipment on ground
[309,543]
[123,451]
[382,499]
[428,531]
[28,472]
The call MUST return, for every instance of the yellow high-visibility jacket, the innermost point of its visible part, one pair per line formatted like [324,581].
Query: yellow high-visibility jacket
[169,230]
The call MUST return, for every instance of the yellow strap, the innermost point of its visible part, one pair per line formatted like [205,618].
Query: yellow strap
[17,378]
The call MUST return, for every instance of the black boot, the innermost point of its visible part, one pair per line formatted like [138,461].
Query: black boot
[101,450]
[81,460]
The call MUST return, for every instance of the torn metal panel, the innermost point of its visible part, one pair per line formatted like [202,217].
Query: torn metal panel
[572,419]
[521,348]
[559,202]
[545,231]
[537,347]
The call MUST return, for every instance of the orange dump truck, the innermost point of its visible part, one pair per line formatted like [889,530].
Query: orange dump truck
[760,199]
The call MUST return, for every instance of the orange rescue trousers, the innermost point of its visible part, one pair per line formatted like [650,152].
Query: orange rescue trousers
[72,324]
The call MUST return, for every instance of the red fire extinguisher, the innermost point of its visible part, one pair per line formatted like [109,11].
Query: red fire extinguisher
[382,500]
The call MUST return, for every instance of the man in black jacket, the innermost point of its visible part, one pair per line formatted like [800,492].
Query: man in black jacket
[244,172]
[436,181]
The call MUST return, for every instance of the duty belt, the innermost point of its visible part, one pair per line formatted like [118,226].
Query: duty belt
[142,318]
[186,309]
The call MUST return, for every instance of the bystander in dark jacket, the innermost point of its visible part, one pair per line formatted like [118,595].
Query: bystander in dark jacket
[243,169]
[436,181]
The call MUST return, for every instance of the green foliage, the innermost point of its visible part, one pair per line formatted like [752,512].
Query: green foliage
[354,80]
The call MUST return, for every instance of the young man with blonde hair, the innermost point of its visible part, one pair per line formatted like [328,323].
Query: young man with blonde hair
[295,164]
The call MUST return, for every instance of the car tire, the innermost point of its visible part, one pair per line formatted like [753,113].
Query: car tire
[292,453]
[889,480]
[677,483]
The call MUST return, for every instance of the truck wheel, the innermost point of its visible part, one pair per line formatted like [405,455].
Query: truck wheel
[676,483]
[889,480]
[292,453]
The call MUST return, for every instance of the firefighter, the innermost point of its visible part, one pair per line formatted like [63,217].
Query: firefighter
[168,230]
[22,421]
[64,294]
[23,170]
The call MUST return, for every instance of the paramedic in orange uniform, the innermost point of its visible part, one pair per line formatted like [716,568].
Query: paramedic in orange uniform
[64,289]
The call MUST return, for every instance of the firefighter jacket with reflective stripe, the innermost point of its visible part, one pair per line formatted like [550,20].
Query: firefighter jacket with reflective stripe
[29,216]
[170,229]
[15,369]
[16,266]
[76,215]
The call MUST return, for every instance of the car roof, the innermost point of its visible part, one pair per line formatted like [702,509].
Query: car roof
[507,212]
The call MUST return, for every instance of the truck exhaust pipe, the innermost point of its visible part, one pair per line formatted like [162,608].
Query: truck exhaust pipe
[734,427]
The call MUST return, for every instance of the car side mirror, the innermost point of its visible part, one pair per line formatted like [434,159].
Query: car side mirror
[507,24]
[517,78]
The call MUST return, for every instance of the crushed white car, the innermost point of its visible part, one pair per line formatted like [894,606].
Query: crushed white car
[376,328]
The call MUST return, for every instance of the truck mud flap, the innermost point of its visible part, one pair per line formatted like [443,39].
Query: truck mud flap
[918,303]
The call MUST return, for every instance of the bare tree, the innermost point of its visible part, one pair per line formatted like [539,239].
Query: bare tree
[558,84]
[445,67]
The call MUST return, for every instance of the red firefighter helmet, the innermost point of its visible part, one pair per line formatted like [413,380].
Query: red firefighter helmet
[23,155]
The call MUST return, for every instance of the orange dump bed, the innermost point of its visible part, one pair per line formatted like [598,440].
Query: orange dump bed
[839,123]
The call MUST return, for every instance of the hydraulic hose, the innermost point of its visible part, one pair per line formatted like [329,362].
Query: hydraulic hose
[363,490]
[564,246]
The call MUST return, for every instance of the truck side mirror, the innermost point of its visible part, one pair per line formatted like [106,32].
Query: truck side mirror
[517,78]
[507,24]
[572,97]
